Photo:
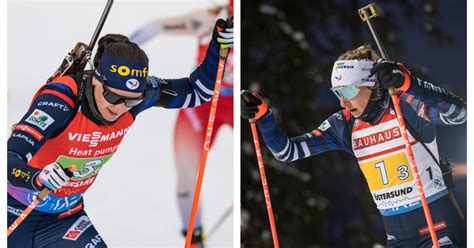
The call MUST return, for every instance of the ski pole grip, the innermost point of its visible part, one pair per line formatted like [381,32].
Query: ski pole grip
[251,120]
[392,91]
[43,193]
[223,52]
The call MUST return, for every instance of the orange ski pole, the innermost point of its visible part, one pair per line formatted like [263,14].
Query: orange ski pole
[207,141]
[366,13]
[42,194]
[266,191]
[263,176]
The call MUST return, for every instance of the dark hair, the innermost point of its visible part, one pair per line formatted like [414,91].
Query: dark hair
[120,46]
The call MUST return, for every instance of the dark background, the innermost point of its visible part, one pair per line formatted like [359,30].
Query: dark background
[288,49]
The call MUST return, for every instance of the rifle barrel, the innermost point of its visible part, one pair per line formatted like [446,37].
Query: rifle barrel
[105,13]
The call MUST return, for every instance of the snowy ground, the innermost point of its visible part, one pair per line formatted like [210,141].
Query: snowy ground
[132,203]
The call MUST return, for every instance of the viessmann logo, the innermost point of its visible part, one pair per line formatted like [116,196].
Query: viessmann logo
[95,138]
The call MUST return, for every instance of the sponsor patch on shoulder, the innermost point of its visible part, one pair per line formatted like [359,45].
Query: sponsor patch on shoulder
[40,119]
[317,133]
[324,126]
[78,228]
[25,128]
[445,241]
[391,237]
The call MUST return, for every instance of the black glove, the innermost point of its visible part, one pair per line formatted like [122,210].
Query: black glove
[389,74]
[223,32]
[252,105]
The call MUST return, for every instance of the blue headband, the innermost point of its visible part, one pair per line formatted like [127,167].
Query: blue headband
[122,74]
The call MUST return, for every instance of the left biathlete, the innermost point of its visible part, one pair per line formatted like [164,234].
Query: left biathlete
[367,128]
[80,120]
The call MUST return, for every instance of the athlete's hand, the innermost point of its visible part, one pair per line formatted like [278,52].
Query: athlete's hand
[390,74]
[53,177]
[224,32]
[252,105]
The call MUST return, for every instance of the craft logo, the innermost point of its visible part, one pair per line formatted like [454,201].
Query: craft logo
[339,78]
[40,119]
[54,105]
[78,228]
[132,84]
[124,71]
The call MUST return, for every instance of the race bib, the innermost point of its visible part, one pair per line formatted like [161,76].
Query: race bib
[387,172]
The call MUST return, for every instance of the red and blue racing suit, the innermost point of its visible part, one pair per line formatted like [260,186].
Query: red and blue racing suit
[56,129]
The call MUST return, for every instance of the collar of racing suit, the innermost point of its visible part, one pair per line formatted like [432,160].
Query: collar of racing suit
[377,105]
[88,106]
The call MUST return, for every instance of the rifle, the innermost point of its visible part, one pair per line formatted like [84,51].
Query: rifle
[77,59]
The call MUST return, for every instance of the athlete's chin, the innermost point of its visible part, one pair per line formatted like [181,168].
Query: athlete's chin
[108,116]
[355,112]
[111,118]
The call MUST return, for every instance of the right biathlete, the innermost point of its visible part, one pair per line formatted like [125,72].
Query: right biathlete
[190,127]
[367,128]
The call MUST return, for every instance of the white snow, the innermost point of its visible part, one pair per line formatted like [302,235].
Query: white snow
[132,203]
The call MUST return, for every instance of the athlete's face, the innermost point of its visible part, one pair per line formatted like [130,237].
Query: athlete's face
[356,105]
[109,111]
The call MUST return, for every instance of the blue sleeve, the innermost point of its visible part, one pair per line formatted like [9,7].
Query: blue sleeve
[48,114]
[332,134]
[418,121]
[185,92]
[434,103]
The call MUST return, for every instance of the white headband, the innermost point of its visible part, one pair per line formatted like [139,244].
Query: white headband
[352,72]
